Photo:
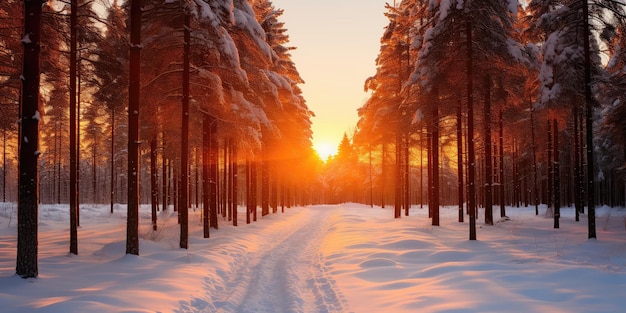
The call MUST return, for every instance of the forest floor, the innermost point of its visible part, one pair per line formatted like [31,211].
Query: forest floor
[332,258]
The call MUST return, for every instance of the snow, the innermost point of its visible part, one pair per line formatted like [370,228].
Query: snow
[334,258]
[444,7]
[26,39]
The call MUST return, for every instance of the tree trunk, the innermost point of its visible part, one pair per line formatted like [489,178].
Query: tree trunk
[488,157]
[369,146]
[197,182]
[532,132]
[406,189]
[4,165]
[589,125]
[579,184]
[471,157]
[248,191]
[164,178]
[94,177]
[502,197]
[459,147]
[550,210]
[206,177]
[184,142]
[225,188]
[274,187]
[27,205]
[113,173]
[213,174]
[153,181]
[265,183]
[233,159]
[398,181]
[132,230]
[253,187]
[73,142]
[228,164]
[383,174]
[435,164]
[557,181]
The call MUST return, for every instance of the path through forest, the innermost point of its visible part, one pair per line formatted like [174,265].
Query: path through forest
[285,273]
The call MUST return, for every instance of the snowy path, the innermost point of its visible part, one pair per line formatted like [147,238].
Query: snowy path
[342,258]
[285,273]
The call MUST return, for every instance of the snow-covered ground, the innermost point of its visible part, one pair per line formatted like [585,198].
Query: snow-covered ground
[343,258]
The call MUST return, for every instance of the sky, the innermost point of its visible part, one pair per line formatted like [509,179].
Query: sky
[337,44]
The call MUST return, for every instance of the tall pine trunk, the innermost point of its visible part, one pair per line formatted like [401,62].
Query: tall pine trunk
[132,227]
[73,142]
[435,164]
[579,184]
[164,176]
[27,205]
[459,147]
[228,163]
[383,173]
[213,173]
[253,188]
[206,179]
[488,156]
[534,148]
[557,181]
[184,144]
[550,202]
[233,159]
[589,126]
[406,190]
[248,191]
[471,157]
[154,193]
[265,183]
[501,154]
[4,165]
[398,181]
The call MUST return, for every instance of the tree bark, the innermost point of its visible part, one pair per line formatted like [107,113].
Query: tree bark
[265,183]
[184,148]
[459,147]
[406,189]
[153,181]
[206,177]
[164,178]
[233,158]
[132,230]
[73,142]
[28,199]
[501,154]
[488,157]
[113,173]
[253,188]
[435,164]
[534,144]
[550,170]
[248,191]
[398,184]
[557,181]
[471,157]
[213,174]
[589,126]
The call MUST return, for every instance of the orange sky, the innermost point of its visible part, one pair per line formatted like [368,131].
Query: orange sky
[337,44]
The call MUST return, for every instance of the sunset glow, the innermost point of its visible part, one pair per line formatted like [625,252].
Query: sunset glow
[325,150]
[334,69]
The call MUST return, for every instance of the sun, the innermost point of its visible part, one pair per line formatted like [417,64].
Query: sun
[325,150]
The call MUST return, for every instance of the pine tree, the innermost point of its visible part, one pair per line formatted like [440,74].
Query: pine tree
[27,207]
[132,227]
